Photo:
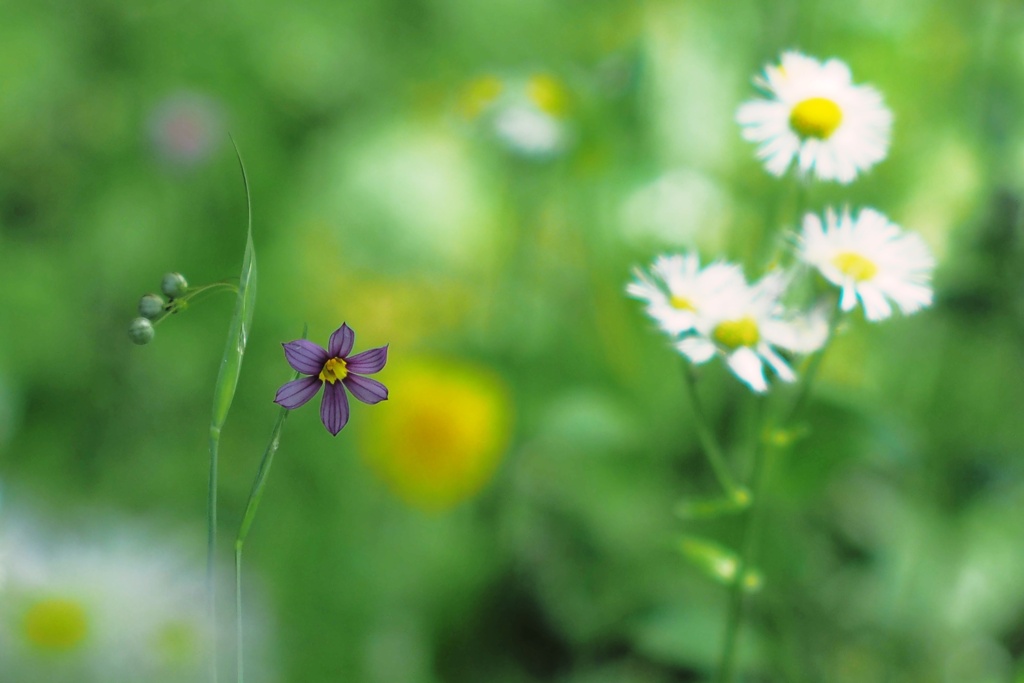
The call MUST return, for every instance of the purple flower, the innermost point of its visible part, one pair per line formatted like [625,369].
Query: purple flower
[339,371]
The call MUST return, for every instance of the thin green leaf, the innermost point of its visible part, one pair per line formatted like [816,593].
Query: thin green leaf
[241,320]
[718,562]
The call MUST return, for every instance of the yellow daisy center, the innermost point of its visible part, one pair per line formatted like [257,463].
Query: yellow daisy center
[56,624]
[856,266]
[548,94]
[478,94]
[817,117]
[733,334]
[334,369]
[681,303]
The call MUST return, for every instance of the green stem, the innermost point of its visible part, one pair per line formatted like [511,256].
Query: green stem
[243,532]
[211,546]
[181,302]
[253,504]
[239,637]
[811,372]
[727,661]
[764,428]
[710,445]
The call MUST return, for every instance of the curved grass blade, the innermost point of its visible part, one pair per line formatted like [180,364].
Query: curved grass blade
[241,320]
[224,394]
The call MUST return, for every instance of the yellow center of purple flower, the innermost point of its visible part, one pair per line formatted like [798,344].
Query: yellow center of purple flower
[856,266]
[334,369]
[733,334]
[816,117]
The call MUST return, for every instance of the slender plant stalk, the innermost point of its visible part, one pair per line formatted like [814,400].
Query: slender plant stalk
[250,514]
[764,428]
[211,545]
[239,635]
[181,302]
[253,504]
[710,445]
[811,372]
[734,616]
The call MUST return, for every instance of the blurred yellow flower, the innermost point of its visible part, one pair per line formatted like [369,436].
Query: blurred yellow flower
[478,94]
[548,93]
[443,434]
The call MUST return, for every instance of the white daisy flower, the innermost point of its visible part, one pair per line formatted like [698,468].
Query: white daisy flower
[677,290]
[529,131]
[528,115]
[745,324]
[871,259]
[119,607]
[816,115]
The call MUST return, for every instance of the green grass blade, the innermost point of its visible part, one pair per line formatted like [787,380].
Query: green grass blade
[223,395]
[238,331]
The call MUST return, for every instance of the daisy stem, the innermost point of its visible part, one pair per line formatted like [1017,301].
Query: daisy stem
[811,372]
[710,445]
[764,427]
[727,661]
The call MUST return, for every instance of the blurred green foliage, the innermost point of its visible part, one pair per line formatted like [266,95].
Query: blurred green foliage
[892,543]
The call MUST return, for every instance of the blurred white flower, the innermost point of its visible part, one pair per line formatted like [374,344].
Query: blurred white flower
[744,324]
[118,609]
[816,115]
[677,290]
[528,130]
[682,207]
[870,259]
[526,115]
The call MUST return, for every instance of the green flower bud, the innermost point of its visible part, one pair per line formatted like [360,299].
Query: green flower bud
[174,284]
[151,305]
[141,331]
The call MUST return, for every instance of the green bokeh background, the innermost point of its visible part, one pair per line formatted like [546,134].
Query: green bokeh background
[893,541]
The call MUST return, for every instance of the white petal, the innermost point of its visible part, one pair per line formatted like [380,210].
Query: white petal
[875,305]
[848,299]
[801,334]
[697,349]
[780,366]
[747,366]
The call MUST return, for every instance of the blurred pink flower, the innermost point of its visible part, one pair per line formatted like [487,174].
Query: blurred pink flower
[185,128]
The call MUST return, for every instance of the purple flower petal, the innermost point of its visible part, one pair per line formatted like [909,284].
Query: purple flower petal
[304,356]
[334,407]
[340,344]
[368,362]
[297,392]
[365,389]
